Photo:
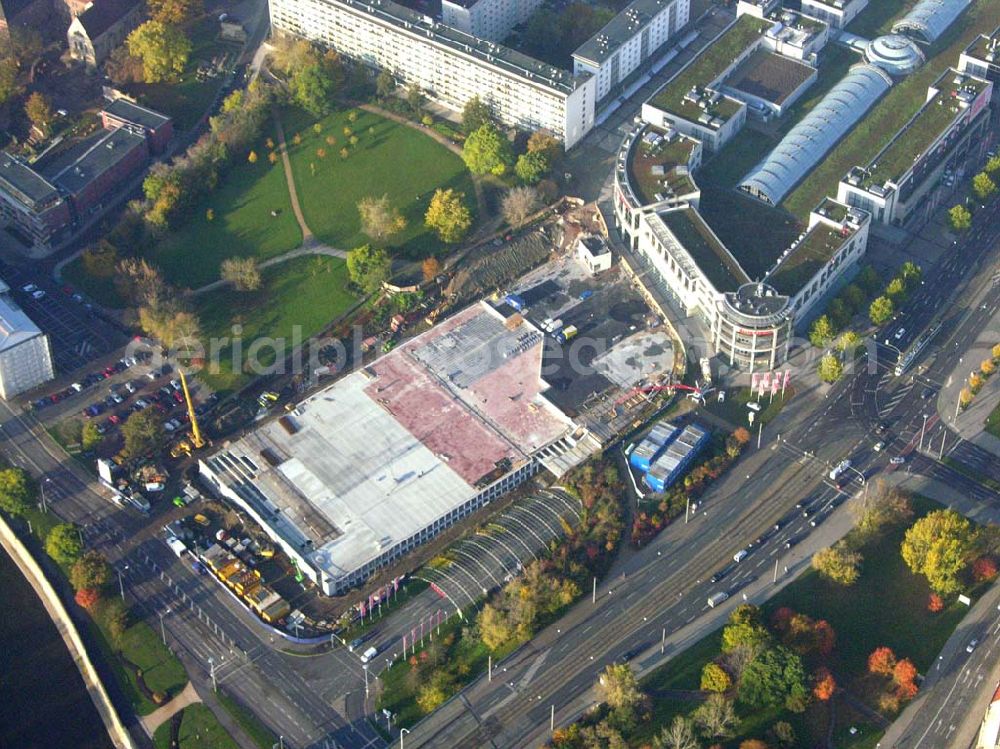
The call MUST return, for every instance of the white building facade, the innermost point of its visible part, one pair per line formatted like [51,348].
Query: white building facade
[837,13]
[487,19]
[449,66]
[25,355]
[628,40]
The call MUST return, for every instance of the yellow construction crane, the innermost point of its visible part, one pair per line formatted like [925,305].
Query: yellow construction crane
[197,441]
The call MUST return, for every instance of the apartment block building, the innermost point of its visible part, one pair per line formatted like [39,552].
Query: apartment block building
[450,66]
[486,19]
[628,40]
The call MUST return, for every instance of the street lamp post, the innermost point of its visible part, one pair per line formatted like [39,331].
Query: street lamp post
[364,668]
[402,733]
[45,504]
[922,427]
[211,671]
[121,581]
[163,631]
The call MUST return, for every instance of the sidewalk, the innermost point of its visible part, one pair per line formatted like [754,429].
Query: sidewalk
[970,423]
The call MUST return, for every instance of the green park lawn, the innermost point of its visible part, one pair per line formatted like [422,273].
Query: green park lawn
[887,606]
[243,224]
[389,158]
[993,422]
[308,292]
[200,729]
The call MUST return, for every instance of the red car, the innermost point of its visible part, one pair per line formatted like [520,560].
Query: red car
[178,396]
[115,419]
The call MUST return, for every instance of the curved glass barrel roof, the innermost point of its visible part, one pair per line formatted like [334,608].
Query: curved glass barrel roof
[806,143]
[930,18]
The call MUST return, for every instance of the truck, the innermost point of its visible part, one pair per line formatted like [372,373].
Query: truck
[369,654]
[839,469]
[716,598]
[566,334]
[177,546]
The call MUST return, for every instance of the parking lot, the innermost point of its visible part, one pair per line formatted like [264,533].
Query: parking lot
[76,330]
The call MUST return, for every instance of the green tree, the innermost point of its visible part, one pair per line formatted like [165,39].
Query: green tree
[143,433]
[531,167]
[63,543]
[487,151]
[90,571]
[379,218]
[848,341]
[448,215]
[542,141]
[17,491]
[714,678]
[830,369]
[775,677]
[680,734]
[618,687]
[821,332]
[368,267]
[90,437]
[385,84]
[881,310]
[716,717]
[435,691]
[984,186]
[163,49]
[114,617]
[241,272]
[869,280]
[38,109]
[838,564]
[960,218]
[938,546]
[475,114]
[313,89]
[414,98]
[993,165]
[911,273]
[743,634]
[174,12]
[854,297]
[9,85]
[896,289]
[495,628]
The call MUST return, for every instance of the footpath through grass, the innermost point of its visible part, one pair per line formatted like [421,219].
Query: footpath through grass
[200,729]
[886,607]
[297,299]
[252,218]
[388,158]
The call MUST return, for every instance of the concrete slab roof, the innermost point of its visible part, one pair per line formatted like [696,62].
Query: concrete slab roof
[15,326]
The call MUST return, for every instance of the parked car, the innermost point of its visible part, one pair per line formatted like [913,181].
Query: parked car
[28,288]
[897,460]
[38,294]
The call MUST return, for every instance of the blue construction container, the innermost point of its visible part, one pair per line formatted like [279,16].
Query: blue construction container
[649,449]
[676,457]
[516,301]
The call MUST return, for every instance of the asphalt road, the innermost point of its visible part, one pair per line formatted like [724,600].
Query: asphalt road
[665,587]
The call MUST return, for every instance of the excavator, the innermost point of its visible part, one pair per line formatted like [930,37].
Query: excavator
[194,439]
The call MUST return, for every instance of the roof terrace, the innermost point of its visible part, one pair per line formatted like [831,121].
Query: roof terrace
[806,258]
[653,166]
[954,94]
[683,95]
[714,260]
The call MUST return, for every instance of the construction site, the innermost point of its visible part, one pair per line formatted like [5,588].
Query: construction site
[356,475]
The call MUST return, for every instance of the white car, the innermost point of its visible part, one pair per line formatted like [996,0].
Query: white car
[28,288]
[878,446]
[38,294]
[175,384]
[897,460]
[971,646]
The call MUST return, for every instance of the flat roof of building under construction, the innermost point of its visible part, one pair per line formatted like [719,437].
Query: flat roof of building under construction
[384,452]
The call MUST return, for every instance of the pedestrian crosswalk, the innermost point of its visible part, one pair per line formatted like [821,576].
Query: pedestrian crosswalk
[886,408]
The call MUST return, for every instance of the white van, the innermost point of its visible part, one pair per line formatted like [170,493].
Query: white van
[717,598]
[740,555]
[368,655]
